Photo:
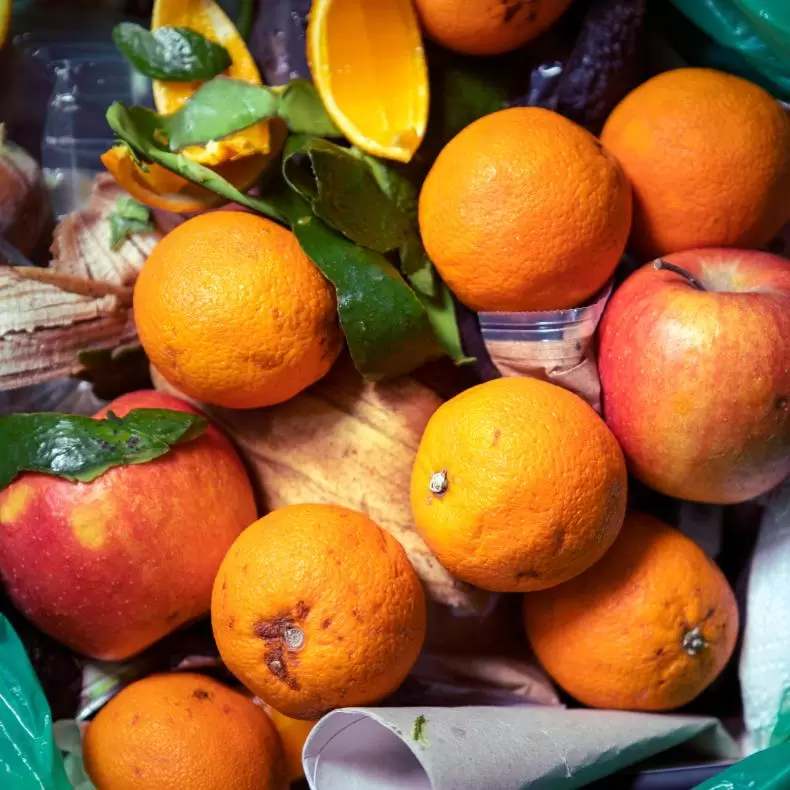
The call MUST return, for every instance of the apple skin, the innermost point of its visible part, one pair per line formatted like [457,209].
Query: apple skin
[696,384]
[109,567]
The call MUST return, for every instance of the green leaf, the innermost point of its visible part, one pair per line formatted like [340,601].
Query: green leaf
[303,111]
[418,729]
[143,131]
[415,263]
[245,17]
[81,448]
[386,326]
[128,217]
[218,108]
[223,106]
[175,54]
[343,191]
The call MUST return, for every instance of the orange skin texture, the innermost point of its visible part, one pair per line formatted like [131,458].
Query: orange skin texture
[524,210]
[536,485]
[344,583]
[109,567]
[293,734]
[696,384]
[708,158]
[183,730]
[487,27]
[233,313]
[613,637]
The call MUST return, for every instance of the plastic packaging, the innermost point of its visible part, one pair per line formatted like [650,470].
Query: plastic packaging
[555,345]
[752,38]
[29,759]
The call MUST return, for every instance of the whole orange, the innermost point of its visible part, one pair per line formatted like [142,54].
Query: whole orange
[487,27]
[708,158]
[293,735]
[232,312]
[524,210]
[649,627]
[183,730]
[111,566]
[518,485]
[315,607]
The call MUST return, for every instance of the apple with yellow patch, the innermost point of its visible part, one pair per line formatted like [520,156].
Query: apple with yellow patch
[111,566]
[695,370]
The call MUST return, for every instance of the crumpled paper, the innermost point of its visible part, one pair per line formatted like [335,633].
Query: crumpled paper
[765,658]
[524,748]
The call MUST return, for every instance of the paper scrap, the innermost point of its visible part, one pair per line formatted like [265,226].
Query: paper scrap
[523,748]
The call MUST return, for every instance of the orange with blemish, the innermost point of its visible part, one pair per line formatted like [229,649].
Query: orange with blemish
[649,627]
[111,566]
[316,607]
[183,731]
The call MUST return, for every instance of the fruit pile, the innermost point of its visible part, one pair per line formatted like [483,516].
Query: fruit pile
[273,319]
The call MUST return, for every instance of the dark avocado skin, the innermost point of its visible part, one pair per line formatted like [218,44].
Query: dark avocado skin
[608,60]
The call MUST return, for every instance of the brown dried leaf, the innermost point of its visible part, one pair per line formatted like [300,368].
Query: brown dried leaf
[81,302]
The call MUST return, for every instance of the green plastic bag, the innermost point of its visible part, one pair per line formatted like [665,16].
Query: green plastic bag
[766,770]
[29,759]
[752,36]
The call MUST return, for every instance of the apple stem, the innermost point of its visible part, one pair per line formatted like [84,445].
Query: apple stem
[660,264]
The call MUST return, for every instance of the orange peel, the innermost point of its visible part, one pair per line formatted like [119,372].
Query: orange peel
[368,66]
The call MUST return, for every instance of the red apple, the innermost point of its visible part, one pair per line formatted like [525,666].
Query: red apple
[695,372]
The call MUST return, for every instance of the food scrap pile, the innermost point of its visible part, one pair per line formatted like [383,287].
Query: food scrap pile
[320,464]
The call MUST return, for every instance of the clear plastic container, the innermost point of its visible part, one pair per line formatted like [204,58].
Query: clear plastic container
[553,345]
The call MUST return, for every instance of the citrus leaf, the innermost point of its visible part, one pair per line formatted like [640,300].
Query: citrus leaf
[303,111]
[342,191]
[128,217]
[386,326]
[144,133]
[415,263]
[175,54]
[81,448]
[218,108]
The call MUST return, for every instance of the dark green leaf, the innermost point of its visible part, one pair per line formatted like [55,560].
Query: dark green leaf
[343,191]
[303,111]
[245,17]
[218,108]
[113,372]
[128,217]
[387,329]
[175,54]
[141,130]
[81,448]
[415,264]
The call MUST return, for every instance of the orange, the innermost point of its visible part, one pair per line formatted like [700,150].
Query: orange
[708,157]
[487,27]
[368,66]
[293,734]
[518,485]
[232,312]
[183,730]
[207,18]
[315,607]
[647,628]
[524,210]
[159,188]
